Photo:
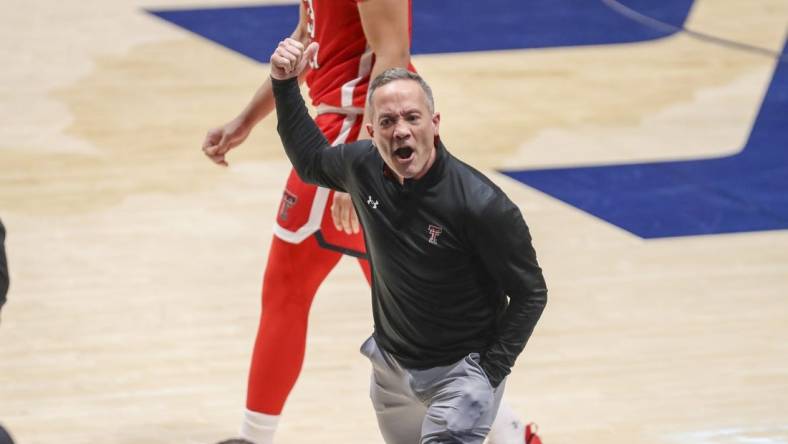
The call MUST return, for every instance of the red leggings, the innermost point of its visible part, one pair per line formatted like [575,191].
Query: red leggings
[292,276]
[294,272]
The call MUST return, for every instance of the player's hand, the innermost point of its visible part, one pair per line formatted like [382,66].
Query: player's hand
[290,58]
[343,213]
[220,140]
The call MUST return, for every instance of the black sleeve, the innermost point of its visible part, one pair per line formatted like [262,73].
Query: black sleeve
[313,158]
[3,267]
[504,243]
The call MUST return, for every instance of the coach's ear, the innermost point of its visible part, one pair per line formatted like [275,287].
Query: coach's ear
[370,130]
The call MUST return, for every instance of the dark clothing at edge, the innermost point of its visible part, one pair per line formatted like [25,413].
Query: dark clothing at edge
[3,267]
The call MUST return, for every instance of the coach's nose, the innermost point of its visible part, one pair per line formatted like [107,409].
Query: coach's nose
[401,130]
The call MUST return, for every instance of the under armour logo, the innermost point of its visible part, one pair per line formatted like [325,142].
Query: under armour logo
[288,200]
[372,203]
[434,231]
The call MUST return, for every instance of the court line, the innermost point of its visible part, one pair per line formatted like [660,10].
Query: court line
[661,26]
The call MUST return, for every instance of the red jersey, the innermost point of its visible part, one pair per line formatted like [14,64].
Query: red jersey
[340,71]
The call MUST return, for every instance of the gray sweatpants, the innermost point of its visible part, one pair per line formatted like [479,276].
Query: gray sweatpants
[440,405]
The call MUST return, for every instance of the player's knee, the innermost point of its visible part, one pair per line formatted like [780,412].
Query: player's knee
[285,297]
[284,309]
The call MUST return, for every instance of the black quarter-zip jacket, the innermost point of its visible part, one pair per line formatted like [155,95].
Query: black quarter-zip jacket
[446,250]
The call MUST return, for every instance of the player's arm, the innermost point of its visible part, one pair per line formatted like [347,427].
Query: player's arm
[263,101]
[386,24]
[220,140]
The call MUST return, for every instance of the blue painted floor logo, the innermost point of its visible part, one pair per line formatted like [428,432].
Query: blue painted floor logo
[744,192]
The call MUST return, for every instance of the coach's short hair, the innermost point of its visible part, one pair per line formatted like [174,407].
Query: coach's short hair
[393,74]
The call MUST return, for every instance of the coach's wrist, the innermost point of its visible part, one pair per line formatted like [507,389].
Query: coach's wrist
[494,374]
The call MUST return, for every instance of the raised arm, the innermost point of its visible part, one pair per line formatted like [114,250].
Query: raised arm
[222,139]
[306,146]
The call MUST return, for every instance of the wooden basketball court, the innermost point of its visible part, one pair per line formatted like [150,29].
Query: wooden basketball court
[136,263]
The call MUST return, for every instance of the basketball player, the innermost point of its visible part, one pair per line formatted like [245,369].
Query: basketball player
[314,225]
[456,289]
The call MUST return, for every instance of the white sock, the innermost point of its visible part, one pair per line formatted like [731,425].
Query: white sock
[259,428]
[507,428]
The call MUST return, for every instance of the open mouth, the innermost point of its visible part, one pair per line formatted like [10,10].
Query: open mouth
[403,153]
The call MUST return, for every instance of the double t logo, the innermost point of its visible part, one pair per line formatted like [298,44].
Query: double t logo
[434,231]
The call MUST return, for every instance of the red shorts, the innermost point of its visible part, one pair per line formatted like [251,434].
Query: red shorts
[305,209]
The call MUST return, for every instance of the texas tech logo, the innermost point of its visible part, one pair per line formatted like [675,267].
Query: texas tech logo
[288,200]
[434,231]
